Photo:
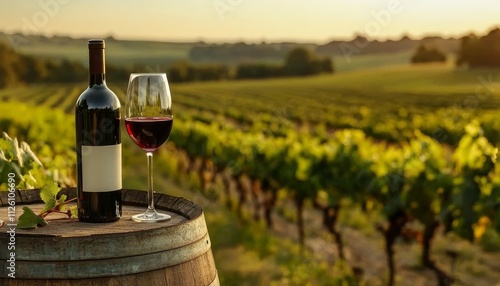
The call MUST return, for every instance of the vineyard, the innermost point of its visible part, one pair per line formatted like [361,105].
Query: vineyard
[413,147]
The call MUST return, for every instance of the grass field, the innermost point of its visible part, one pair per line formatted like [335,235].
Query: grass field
[425,86]
[352,62]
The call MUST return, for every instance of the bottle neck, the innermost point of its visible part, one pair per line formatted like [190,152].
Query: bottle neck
[97,79]
[97,69]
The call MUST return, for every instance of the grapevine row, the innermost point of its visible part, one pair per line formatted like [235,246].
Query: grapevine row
[415,181]
[278,111]
[339,109]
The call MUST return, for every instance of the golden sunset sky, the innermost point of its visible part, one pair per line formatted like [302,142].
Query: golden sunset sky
[249,20]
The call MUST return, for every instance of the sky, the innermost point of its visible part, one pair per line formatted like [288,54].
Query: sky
[317,21]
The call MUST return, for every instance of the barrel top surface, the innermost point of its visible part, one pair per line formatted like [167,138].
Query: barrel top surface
[61,226]
[134,202]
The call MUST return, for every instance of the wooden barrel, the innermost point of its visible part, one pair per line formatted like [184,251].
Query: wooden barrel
[68,252]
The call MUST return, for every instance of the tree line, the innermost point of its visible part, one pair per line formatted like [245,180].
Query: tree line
[474,51]
[21,69]
[426,54]
[299,61]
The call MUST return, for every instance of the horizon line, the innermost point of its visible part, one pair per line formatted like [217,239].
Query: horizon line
[201,39]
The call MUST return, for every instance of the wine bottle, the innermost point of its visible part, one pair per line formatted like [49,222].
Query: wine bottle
[98,144]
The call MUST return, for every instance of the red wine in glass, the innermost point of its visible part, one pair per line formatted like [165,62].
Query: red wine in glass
[148,119]
[149,133]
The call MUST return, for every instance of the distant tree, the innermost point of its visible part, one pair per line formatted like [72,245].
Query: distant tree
[301,61]
[7,76]
[68,71]
[211,72]
[119,74]
[183,71]
[9,66]
[480,51]
[428,55]
[324,65]
[32,69]
[490,47]
[180,71]
[470,52]
[298,62]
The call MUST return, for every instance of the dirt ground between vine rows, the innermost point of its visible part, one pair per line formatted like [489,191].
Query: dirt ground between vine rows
[472,267]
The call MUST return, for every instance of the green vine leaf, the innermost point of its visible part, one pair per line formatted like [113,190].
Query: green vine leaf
[48,195]
[30,220]
[49,191]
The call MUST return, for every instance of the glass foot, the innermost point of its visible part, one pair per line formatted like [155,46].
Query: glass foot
[151,216]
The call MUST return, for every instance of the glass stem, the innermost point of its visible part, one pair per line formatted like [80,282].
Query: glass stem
[151,206]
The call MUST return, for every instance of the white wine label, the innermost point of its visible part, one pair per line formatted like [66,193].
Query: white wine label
[102,168]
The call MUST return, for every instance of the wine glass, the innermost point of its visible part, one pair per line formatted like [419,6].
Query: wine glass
[149,119]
